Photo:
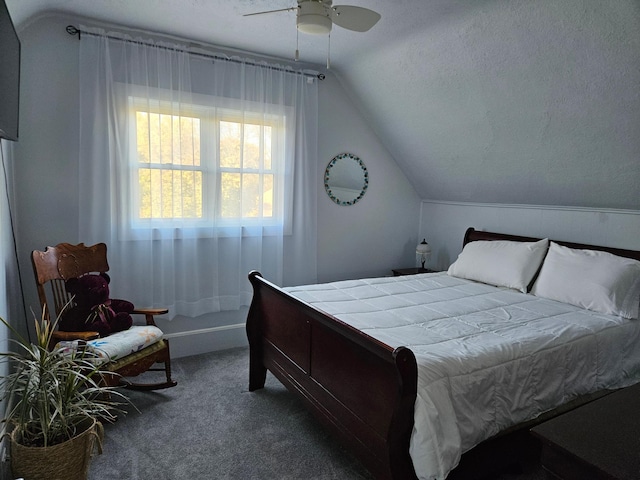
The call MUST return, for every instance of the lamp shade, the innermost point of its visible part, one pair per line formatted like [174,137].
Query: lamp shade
[423,248]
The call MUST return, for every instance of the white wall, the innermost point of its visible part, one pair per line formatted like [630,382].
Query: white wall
[380,231]
[443,225]
[370,238]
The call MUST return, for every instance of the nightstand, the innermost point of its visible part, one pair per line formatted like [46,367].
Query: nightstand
[398,272]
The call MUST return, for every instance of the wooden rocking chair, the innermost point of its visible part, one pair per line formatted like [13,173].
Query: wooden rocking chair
[57,264]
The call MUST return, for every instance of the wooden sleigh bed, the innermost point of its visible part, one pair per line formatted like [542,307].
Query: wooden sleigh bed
[360,388]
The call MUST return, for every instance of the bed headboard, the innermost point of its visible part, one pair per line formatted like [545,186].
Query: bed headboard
[472,235]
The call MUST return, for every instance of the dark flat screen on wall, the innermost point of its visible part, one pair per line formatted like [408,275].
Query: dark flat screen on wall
[9,76]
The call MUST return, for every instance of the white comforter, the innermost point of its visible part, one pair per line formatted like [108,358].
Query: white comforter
[488,357]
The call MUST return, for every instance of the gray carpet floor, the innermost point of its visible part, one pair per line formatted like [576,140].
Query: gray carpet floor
[211,427]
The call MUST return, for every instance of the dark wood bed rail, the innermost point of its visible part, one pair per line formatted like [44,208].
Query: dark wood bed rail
[361,389]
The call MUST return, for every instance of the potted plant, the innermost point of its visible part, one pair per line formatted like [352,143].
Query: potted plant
[54,404]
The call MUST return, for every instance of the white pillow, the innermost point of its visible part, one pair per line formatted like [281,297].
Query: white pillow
[503,263]
[590,279]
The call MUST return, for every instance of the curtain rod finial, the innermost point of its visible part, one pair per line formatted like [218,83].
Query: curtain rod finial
[71,30]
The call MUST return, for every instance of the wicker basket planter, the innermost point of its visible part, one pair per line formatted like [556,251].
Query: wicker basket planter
[54,399]
[65,461]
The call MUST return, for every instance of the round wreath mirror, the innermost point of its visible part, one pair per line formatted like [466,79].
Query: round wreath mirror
[346,179]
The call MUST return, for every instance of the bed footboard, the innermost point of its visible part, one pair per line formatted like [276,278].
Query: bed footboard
[359,388]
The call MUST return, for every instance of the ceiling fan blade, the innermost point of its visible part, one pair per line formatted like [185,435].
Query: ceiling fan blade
[354,18]
[290,9]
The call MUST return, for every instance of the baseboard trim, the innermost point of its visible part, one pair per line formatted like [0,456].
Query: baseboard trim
[204,340]
[614,211]
[201,331]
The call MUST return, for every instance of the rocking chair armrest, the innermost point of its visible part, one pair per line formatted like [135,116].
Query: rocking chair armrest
[149,313]
[59,335]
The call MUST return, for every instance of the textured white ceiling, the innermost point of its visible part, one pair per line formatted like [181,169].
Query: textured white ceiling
[221,22]
[506,101]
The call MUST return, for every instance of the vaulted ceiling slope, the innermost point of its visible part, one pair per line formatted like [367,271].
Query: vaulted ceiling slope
[493,101]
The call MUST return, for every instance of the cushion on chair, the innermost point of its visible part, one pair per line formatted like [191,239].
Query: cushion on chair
[121,344]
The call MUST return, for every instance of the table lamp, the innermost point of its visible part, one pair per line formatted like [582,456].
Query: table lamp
[423,251]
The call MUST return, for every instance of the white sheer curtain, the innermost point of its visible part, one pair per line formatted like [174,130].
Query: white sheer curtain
[194,171]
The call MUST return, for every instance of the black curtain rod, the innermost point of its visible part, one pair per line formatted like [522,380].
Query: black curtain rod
[71,30]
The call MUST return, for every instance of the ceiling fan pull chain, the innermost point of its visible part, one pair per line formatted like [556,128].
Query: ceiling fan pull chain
[329,53]
[297,55]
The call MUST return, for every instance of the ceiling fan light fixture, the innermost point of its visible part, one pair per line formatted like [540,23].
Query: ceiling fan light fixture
[313,18]
[314,24]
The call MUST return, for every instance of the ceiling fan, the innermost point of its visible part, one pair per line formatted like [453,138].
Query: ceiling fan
[318,16]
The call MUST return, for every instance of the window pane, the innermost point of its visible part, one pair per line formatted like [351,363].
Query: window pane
[267,196]
[170,194]
[156,194]
[251,146]
[154,138]
[251,195]
[185,199]
[142,133]
[231,199]
[230,144]
[168,139]
[186,141]
[267,148]
[165,129]
[166,192]
[144,184]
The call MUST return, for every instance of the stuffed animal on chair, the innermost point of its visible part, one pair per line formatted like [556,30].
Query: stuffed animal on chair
[92,308]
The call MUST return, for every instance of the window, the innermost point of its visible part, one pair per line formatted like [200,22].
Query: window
[169,170]
[205,166]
